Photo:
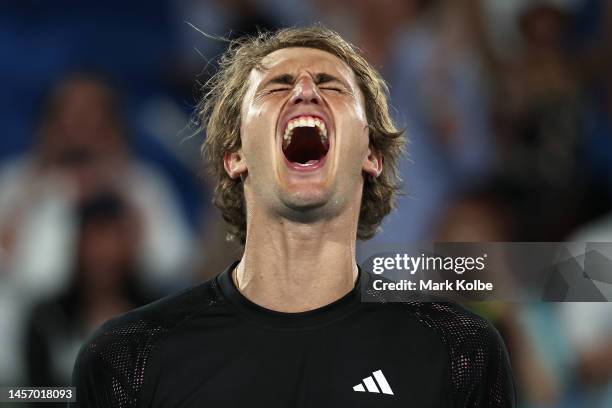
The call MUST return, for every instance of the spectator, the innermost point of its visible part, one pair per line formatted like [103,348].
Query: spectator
[82,147]
[103,283]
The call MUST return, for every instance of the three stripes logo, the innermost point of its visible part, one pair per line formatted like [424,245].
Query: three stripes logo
[376,385]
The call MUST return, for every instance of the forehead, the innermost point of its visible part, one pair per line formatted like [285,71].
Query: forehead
[295,60]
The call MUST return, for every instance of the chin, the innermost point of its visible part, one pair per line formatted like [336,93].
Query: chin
[307,203]
[305,199]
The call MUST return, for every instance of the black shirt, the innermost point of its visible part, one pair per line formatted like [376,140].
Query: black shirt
[209,346]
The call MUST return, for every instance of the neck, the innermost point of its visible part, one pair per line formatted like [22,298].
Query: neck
[294,267]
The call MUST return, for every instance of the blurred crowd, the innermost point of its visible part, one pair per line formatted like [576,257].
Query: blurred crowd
[105,204]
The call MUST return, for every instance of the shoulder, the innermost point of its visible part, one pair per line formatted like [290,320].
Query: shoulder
[478,367]
[460,330]
[456,325]
[110,366]
[478,361]
[146,323]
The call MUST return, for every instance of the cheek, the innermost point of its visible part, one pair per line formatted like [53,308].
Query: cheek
[257,140]
[357,134]
[255,128]
[354,123]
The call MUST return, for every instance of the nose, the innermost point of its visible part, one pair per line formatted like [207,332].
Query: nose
[305,91]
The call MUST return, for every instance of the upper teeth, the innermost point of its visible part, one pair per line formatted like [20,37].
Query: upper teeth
[304,121]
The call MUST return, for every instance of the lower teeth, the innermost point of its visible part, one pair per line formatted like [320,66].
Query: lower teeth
[308,163]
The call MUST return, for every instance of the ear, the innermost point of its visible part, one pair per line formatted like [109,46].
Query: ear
[234,164]
[373,163]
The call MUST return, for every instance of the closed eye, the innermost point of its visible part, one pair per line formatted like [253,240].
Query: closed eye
[278,90]
[327,88]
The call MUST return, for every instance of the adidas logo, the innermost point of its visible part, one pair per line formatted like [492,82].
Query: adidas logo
[378,386]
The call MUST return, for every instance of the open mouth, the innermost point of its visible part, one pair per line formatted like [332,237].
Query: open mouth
[305,141]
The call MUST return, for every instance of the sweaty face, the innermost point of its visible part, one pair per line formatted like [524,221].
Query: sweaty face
[305,142]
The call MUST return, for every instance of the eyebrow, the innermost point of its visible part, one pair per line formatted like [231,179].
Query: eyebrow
[283,79]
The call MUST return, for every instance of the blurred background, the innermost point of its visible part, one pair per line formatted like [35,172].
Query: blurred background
[104,205]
